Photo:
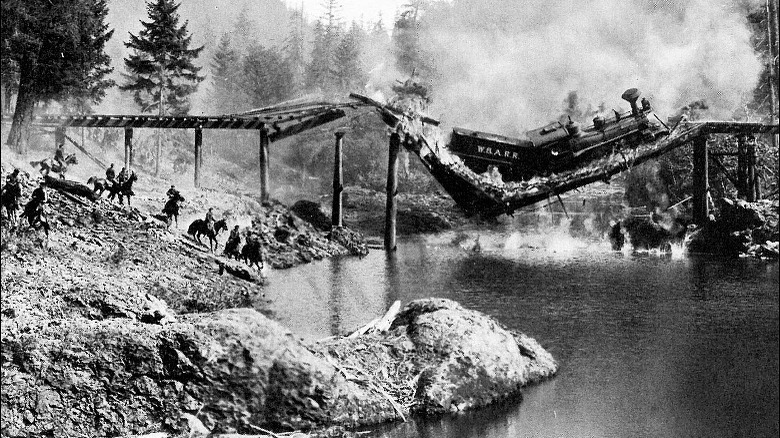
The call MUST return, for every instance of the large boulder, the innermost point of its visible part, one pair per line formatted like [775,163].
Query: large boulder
[469,360]
[235,369]
[739,227]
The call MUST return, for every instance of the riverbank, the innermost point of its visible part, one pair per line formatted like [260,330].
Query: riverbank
[117,325]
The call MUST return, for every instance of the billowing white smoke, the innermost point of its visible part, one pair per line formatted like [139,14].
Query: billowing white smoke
[507,66]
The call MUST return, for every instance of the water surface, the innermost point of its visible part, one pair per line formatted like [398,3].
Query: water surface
[648,345]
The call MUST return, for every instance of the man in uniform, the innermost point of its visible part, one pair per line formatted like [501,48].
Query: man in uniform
[172,192]
[59,154]
[122,176]
[11,192]
[231,246]
[110,173]
[210,220]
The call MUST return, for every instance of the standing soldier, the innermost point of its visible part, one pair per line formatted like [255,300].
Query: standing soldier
[110,173]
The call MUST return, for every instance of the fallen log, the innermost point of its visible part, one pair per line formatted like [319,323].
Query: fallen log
[72,187]
[239,270]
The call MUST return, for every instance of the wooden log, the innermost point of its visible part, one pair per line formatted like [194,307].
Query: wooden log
[239,270]
[68,186]
[198,155]
[700,180]
[264,164]
[338,183]
[391,209]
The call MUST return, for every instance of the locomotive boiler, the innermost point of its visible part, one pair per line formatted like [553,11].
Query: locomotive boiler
[558,146]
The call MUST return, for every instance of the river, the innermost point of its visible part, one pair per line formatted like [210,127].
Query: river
[649,345]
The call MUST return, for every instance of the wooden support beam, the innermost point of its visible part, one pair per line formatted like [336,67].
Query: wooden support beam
[391,208]
[128,147]
[742,167]
[750,160]
[338,183]
[700,180]
[723,169]
[264,164]
[59,136]
[198,155]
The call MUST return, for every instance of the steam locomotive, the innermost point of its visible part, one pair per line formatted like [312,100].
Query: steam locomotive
[558,146]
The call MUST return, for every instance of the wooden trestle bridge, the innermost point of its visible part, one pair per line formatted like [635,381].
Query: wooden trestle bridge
[420,134]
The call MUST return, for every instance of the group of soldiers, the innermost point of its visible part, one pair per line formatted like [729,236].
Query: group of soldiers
[34,210]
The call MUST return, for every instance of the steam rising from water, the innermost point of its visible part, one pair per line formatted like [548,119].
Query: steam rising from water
[507,67]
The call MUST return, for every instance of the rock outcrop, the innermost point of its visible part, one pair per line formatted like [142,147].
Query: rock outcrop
[236,370]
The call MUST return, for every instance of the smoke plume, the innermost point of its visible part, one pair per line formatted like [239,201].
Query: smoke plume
[508,66]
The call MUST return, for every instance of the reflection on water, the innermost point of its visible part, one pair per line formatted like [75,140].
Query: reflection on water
[648,345]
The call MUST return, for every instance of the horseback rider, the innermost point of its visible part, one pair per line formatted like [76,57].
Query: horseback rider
[34,209]
[59,155]
[13,178]
[110,173]
[231,246]
[122,176]
[173,193]
[210,219]
[11,192]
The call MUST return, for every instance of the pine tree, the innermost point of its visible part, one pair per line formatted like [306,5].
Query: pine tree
[161,74]
[294,50]
[266,76]
[245,32]
[57,48]
[348,71]
[406,39]
[226,95]
[321,71]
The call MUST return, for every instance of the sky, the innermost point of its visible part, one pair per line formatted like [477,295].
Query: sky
[357,10]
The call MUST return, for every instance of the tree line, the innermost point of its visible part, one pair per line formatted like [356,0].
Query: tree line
[54,52]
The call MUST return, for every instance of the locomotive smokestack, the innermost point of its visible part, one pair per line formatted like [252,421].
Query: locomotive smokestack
[631,96]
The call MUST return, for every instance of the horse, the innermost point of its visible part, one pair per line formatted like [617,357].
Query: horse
[171,209]
[123,189]
[252,253]
[231,249]
[51,165]
[9,199]
[99,185]
[35,212]
[198,228]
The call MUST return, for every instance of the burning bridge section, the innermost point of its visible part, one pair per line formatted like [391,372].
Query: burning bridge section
[482,190]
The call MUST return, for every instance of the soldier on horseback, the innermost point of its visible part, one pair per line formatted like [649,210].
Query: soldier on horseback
[110,173]
[122,176]
[171,208]
[210,219]
[35,210]
[11,193]
[59,155]
[231,246]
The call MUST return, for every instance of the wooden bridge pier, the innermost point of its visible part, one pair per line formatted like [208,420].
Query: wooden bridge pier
[263,164]
[701,187]
[128,148]
[59,136]
[392,189]
[338,181]
[198,155]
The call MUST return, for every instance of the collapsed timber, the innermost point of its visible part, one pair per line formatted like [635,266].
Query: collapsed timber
[488,195]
